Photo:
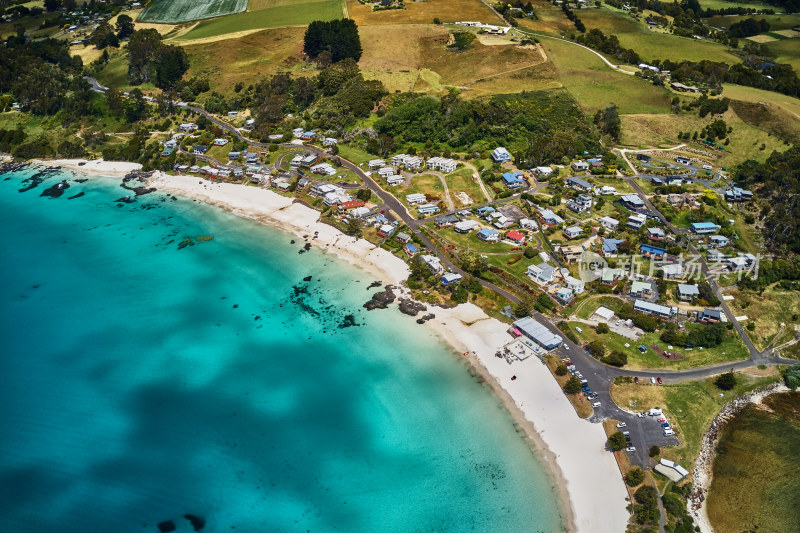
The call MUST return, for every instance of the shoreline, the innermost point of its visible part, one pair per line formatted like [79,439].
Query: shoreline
[704,464]
[572,451]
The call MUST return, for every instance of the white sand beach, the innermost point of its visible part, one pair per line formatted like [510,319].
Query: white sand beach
[584,474]
[95,167]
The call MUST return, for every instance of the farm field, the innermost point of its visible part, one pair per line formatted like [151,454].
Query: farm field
[423,13]
[786,51]
[791,106]
[661,130]
[246,58]
[594,85]
[776,22]
[300,13]
[177,11]
[551,19]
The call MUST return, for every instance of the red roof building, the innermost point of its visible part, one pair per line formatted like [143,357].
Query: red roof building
[352,204]
[515,236]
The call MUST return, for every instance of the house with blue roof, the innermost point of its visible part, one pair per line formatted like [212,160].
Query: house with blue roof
[485,209]
[501,155]
[719,241]
[653,252]
[513,180]
[488,235]
[610,246]
[411,249]
[702,228]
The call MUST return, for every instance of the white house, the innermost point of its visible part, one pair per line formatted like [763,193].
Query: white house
[636,221]
[609,223]
[572,232]
[543,171]
[385,172]
[427,209]
[375,164]
[395,180]
[442,164]
[188,126]
[416,198]
[580,166]
[528,224]
[501,155]
[542,274]
[433,263]
[465,226]
[410,162]
[576,285]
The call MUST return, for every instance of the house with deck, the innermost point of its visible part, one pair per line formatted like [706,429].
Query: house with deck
[501,155]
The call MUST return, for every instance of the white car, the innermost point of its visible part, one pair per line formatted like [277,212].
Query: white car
[630,449]
[621,425]
[596,404]
[641,415]
[566,347]
[653,381]
[626,433]
[668,432]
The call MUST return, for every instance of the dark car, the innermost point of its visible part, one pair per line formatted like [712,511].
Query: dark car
[636,379]
[659,380]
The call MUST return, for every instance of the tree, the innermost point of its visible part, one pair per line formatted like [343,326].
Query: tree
[655,451]
[616,358]
[339,37]
[52,5]
[561,370]
[171,64]
[353,227]
[634,477]
[529,252]
[602,328]
[597,349]
[726,381]
[143,48]
[608,121]
[124,26]
[617,440]
[573,385]
[792,377]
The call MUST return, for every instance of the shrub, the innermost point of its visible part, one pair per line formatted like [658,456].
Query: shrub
[617,440]
[655,451]
[646,496]
[726,381]
[634,477]
[596,349]
[573,385]
[602,328]
[792,377]
[561,370]
[616,358]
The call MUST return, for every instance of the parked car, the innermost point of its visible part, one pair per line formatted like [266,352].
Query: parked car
[636,380]
[668,432]
[566,347]
[596,404]
[630,449]
[653,381]
[577,373]
[665,425]
[621,425]
[662,419]
[593,395]
[641,415]
[659,380]
[626,433]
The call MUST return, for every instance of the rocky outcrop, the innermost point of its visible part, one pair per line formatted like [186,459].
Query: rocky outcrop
[381,299]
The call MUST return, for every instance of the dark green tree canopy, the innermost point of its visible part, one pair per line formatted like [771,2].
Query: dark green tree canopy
[339,37]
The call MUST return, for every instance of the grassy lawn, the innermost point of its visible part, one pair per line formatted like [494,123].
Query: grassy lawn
[590,305]
[299,13]
[689,408]
[423,13]
[427,184]
[780,21]
[767,311]
[461,181]
[469,241]
[594,85]
[786,51]
[551,19]
[731,349]
[355,155]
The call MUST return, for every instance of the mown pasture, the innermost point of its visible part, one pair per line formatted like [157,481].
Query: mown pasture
[177,11]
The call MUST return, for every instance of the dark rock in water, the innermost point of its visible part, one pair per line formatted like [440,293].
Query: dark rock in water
[307,278]
[81,180]
[56,190]
[236,306]
[124,200]
[348,321]
[381,300]
[292,241]
[141,177]
[410,307]
[76,196]
[306,248]
[374,284]
[198,522]
[35,180]
[81,163]
[167,526]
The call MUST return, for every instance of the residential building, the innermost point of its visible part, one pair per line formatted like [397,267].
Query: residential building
[188,126]
[632,201]
[610,276]
[609,248]
[710,316]
[234,155]
[542,273]
[549,218]
[652,252]
[636,221]
[742,262]
[571,253]
[385,230]
[427,209]
[528,224]
[410,162]
[395,180]
[513,180]
[580,166]
[649,308]
[485,209]
[488,235]
[572,232]
[322,188]
[297,133]
[687,293]
[251,158]
[200,149]
[416,198]
[564,295]
[578,183]
[537,332]
[385,172]
[641,289]
[375,164]
[352,204]
[323,168]
[329,141]
[677,86]
[737,194]
[503,222]
[359,212]
[516,237]
[719,241]
[672,271]
[433,263]
[543,171]
[703,228]
[576,285]
[501,155]
[605,190]
[451,278]
[683,160]
[402,237]
[655,234]
[445,220]
[465,226]
[220,142]
[609,223]
[411,249]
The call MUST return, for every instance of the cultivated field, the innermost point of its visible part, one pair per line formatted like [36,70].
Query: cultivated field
[776,22]
[551,19]
[177,11]
[295,14]
[594,85]
[786,51]
[423,13]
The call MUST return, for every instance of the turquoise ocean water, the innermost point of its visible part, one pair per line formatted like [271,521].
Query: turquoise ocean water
[140,382]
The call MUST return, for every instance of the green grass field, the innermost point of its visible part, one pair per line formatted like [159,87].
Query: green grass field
[177,11]
[786,51]
[300,13]
[776,22]
[594,85]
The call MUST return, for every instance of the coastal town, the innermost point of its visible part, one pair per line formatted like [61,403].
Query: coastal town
[624,280]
